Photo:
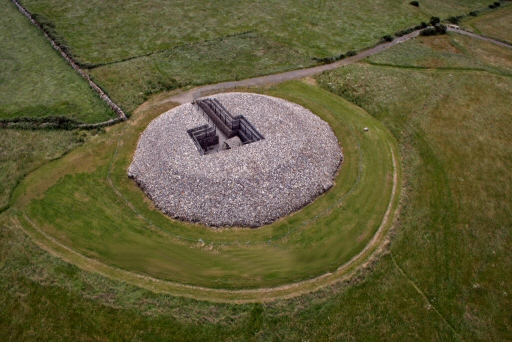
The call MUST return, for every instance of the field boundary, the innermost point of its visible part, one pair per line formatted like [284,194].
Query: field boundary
[118,61]
[117,110]
[52,122]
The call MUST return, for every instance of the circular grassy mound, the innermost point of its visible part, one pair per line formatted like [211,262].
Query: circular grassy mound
[249,185]
[84,208]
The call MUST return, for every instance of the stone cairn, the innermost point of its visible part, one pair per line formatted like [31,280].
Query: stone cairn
[250,185]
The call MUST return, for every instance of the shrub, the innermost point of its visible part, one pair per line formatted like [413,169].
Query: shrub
[492,6]
[453,20]
[49,122]
[43,21]
[387,38]
[79,136]
[441,29]
[434,21]
[428,32]
[421,26]
[497,4]
[351,53]
[406,31]
[415,3]
[473,14]
[49,28]
[327,60]
[433,31]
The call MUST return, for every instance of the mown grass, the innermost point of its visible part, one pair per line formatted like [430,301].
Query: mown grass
[35,81]
[494,24]
[22,152]
[100,32]
[81,210]
[44,299]
[454,236]
[131,82]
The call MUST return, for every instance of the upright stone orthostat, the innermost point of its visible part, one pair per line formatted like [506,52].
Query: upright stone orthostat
[195,170]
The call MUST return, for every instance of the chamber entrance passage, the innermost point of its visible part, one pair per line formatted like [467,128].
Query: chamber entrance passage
[223,131]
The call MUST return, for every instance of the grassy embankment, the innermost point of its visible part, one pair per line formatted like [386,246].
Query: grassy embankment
[286,36]
[80,210]
[450,279]
[22,152]
[35,81]
[495,24]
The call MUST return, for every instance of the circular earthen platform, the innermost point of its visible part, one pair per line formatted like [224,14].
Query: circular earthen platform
[251,185]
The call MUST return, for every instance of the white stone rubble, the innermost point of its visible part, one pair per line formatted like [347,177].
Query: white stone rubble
[251,185]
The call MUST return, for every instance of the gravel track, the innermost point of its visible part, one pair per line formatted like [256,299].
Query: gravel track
[251,185]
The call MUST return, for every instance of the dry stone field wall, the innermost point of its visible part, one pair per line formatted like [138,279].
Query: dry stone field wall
[251,185]
[119,112]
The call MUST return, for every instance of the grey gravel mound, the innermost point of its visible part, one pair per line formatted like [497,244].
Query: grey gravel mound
[250,185]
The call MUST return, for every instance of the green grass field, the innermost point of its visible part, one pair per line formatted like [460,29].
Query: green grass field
[444,275]
[130,83]
[495,24]
[454,236]
[443,279]
[35,81]
[100,32]
[158,46]
[81,210]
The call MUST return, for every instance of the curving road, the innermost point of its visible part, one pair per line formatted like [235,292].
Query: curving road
[192,94]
